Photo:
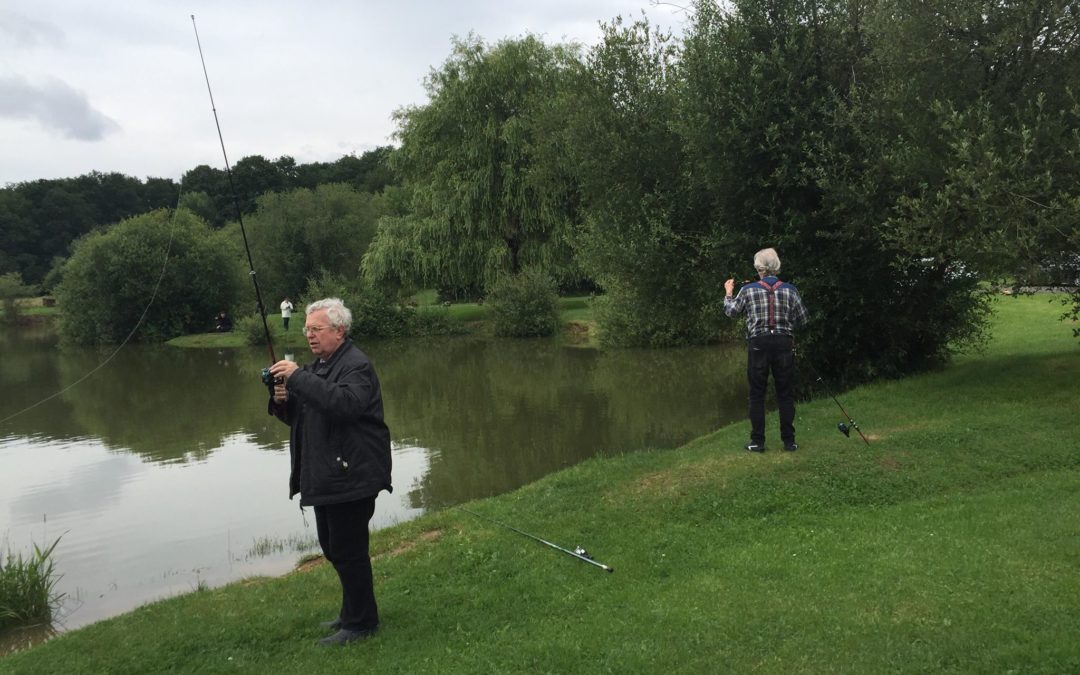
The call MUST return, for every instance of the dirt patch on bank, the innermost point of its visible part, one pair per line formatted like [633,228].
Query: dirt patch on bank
[424,537]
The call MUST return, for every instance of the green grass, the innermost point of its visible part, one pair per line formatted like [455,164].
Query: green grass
[27,587]
[949,545]
[235,338]
[31,307]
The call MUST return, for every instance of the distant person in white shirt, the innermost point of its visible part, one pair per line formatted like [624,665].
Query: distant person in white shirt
[286,311]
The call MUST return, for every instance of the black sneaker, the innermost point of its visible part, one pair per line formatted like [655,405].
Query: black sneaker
[754,447]
[791,447]
[346,636]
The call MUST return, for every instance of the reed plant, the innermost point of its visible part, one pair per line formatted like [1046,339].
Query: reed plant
[267,546]
[28,593]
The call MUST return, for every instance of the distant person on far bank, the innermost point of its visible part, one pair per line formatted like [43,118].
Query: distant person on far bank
[773,310]
[223,322]
[286,312]
[340,451]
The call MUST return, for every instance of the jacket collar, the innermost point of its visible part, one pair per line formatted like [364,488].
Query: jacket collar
[321,364]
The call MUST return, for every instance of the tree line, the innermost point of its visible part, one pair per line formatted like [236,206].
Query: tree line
[903,156]
[40,219]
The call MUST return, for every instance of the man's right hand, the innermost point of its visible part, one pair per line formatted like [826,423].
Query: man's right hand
[729,287]
[280,394]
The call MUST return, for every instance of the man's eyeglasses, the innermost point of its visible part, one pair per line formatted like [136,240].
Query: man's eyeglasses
[314,330]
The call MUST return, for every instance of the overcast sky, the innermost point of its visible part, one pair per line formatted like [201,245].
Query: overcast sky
[117,85]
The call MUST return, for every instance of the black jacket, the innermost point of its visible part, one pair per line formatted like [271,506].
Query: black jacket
[338,442]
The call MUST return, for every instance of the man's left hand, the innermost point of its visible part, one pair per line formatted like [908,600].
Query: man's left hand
[283,369]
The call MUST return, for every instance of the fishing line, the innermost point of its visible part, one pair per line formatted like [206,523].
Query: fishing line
[236,201]
[142,317]
[579,553]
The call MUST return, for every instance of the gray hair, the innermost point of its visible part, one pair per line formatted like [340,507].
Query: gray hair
[336,311]
[767,261]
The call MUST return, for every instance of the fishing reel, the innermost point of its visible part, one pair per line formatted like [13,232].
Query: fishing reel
[844,429]
[268,378]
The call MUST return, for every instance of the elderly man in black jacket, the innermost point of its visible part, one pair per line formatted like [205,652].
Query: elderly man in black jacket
[340,450]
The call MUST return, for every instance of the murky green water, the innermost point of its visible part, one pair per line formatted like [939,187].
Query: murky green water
[161,471]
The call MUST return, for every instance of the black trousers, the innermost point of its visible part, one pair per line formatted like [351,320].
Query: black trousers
[775,353]
[343,535]
[285,320]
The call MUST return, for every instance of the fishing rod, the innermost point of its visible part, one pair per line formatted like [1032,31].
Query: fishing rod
[841,427]
[266,377]
[579,553]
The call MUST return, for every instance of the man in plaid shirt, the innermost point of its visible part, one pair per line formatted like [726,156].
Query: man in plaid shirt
[773,310]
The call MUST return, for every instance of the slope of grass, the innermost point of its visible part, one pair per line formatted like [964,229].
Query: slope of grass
[949,545]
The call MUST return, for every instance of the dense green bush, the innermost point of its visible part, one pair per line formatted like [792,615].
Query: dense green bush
[426,321]
[375,313]
[252,330]
[11,289]
[292,233]
[524,304]
[894,190]
[169,264]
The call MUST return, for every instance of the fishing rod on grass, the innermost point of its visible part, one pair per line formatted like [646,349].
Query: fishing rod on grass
[841,426]
[267,378]
[578,552]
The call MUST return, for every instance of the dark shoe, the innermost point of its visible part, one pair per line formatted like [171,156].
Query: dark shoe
[345,636]
[791,447]
[332,625]
[754,447]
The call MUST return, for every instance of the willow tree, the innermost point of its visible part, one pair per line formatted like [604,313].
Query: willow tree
[481,165]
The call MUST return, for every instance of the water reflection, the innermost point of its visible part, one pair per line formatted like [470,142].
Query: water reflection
[502,414]
[162,469]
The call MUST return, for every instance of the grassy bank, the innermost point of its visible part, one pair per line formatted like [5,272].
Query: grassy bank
[33,309]
[574,312]
[949,545]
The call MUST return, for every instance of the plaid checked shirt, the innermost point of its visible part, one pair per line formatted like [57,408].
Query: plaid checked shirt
[754,300]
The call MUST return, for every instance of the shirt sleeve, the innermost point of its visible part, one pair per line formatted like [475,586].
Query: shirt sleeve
[734,306]
[799,315]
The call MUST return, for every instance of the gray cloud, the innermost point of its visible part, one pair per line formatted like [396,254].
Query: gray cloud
[56,106]
[25,32]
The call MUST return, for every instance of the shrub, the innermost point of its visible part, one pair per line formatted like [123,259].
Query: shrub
[174,258]
[11,289]
[433,321]
[375,314]
[524,305]
[251,329]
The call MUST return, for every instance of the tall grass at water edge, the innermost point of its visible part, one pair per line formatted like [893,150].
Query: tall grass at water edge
[28,587]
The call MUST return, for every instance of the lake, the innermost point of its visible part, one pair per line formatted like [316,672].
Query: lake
[160,471]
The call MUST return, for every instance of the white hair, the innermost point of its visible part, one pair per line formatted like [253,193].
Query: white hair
[767,261]
[336,311]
